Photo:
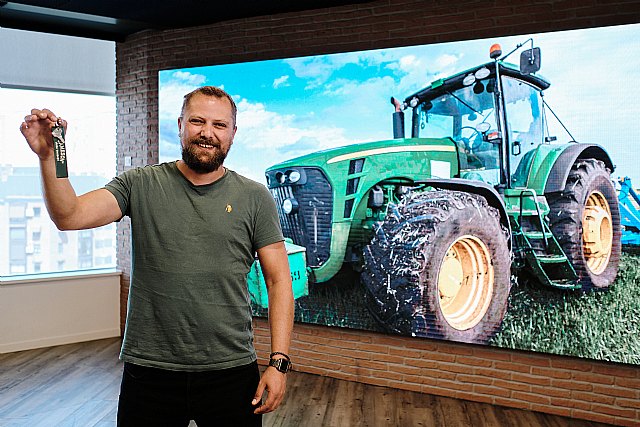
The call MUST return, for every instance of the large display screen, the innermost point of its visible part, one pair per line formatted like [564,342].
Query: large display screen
[471,191]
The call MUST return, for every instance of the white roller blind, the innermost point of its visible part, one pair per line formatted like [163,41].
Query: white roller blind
[54,62]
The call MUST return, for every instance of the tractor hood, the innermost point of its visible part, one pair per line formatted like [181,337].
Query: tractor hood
[370,149]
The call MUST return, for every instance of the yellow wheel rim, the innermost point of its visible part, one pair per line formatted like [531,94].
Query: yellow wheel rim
[465,282]
[597,232]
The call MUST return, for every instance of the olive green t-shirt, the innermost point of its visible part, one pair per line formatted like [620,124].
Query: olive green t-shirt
[192,247]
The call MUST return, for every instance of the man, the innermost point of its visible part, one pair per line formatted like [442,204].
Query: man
[188,344]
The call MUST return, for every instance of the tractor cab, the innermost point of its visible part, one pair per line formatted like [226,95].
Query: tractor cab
[493,113]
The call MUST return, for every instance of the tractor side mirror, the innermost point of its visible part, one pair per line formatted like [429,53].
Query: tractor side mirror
[530,60]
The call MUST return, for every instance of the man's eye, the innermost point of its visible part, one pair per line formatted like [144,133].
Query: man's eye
[220,125]
[196,121]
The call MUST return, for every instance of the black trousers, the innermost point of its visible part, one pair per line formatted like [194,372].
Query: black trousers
[163,398]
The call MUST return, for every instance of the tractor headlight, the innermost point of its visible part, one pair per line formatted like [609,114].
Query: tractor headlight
[290,206]
[294,176]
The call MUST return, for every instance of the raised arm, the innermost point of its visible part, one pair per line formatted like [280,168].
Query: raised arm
[66,209]
[275,268]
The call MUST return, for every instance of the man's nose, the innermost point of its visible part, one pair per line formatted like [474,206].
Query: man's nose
[207,131]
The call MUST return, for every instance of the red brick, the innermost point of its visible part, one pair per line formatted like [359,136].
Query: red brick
[474,361]
[437,373]
[613,410]
[633,383]
[615,391]
[408,370]
[571,385]
[531,398]
[451,367]
[492,391]
[592,397]
[511,385]
[492,373]
[542,361]
[512,367]
[616,371]
[593,378]
[421,363]
[474,379]
[628,403]
[530,379]
[550,391]
[551,372]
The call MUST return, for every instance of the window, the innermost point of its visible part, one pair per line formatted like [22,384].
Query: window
[25,228]
[17,250]
[524,125]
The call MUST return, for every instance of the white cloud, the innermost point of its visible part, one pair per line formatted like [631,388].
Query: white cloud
[407,63]
[447,60]
[260,128]
[173,90]
[316,70]
[281,81]
[187,77]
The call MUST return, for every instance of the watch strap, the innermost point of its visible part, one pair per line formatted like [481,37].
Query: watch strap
[283,365]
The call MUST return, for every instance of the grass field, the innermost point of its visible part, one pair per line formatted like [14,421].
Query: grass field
[597,325]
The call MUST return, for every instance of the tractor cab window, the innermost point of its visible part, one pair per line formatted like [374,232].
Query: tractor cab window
[466,115]
[524,127]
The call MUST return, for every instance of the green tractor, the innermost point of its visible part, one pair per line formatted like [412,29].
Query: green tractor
[437,223]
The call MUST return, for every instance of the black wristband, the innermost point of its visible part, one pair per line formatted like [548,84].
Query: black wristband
[281,354]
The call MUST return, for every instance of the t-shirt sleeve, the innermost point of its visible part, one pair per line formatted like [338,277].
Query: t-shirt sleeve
[267,224]
[120,187]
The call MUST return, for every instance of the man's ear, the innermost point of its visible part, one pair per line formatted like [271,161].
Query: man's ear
[179,126]
[235,129]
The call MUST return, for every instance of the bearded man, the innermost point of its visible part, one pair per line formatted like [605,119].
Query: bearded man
[196,227]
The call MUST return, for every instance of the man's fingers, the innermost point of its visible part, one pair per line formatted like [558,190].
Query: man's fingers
[271,404]
[43,114]
[259,392]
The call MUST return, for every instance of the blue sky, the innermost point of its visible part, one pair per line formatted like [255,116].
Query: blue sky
[295,106]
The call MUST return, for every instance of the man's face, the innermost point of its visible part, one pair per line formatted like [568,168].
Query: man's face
[206,132]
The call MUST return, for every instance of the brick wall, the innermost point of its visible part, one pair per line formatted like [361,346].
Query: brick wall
[566,386]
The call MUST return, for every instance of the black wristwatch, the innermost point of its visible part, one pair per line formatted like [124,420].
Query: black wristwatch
[283,364]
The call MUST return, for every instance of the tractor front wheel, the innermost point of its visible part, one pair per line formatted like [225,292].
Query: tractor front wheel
[439,267]
[585,220]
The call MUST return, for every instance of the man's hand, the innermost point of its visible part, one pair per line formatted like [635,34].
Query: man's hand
[36,129]
[275,383]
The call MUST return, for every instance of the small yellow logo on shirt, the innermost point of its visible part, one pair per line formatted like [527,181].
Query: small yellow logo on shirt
[228,209]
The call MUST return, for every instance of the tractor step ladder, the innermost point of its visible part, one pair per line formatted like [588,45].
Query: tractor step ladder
[540,248]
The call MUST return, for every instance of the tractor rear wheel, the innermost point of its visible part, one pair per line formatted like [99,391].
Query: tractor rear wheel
[585,219]
[439,267]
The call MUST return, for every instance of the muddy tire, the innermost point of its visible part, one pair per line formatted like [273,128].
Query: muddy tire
[585,219]
[439,267]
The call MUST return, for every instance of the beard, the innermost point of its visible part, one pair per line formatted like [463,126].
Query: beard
[203,162]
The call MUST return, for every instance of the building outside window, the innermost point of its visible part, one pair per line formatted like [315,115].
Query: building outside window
[29,241]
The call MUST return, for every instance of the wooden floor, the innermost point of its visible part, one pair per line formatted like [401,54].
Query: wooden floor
[77,385]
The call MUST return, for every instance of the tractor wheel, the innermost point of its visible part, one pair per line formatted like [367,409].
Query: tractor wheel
[439,267]
[585,220]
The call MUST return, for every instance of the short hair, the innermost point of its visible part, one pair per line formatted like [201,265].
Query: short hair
[210,91]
